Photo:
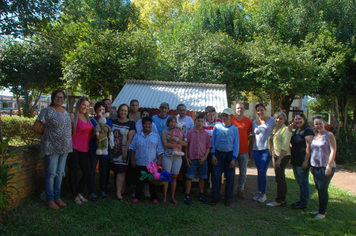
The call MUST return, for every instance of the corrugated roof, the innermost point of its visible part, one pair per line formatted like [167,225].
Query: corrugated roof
[196,96]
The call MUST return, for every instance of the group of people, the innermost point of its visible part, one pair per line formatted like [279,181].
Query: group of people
[203,147]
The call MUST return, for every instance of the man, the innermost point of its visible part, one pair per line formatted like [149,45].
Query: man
[160,119]
[224,153]
[108,108]
[244,126]
[186,121]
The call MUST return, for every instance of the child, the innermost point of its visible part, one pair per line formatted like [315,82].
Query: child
[145,147]
[178,134]
[198,149]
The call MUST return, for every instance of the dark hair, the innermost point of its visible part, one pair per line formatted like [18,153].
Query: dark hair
[304,118]
[171,118]
[209,109]
[200,116]
[54,94]
[260,105]
[149,111]
[134,100]
[118,110]
[181,105]
[97,105]
[145,119]
[105,99]
[318,118]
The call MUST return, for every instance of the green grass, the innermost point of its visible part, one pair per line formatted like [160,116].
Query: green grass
[243,217]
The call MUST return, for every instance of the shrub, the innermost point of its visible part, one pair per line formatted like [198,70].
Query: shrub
[19,130]
[346,148]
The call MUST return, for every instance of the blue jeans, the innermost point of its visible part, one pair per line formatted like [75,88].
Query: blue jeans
[55,165]
[223,166]
[322,184]
[302,177]
[262,159]
[241,162]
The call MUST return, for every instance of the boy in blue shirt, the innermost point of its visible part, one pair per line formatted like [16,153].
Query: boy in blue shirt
[224,153]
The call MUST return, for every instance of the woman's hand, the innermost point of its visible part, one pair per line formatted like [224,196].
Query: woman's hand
[278,163]
[124,155]
[328,170]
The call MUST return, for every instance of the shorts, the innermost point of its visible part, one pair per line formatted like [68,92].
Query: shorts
[172,164]
[202,169]
[118,168]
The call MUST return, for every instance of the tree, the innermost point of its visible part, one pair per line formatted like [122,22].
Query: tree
[25,17]
[29,70]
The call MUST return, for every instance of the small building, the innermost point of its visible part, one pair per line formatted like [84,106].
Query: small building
[195,96]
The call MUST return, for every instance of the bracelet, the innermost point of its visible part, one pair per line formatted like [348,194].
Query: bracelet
[331,165]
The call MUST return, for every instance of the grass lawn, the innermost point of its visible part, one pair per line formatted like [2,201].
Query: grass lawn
[243,217]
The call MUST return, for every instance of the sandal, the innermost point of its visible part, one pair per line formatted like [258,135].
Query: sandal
[174,202]
[60,202]
[77,200]
[83,199]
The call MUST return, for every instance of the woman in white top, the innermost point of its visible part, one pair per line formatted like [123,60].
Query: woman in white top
[262,128]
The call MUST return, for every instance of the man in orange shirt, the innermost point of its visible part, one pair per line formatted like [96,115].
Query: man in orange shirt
[244,126]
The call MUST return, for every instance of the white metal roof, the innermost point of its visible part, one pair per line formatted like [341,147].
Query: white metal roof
[194,96]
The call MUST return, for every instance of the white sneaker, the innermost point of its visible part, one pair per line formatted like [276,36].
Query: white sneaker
[262,198]
[256,197]
[319,217]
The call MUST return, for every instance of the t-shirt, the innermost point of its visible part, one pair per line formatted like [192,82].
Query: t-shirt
[58,137]
[208,127]
[299,146]
[92,143]
[121,134]
[245,128]
[187,124]
[161,123]
[261,133]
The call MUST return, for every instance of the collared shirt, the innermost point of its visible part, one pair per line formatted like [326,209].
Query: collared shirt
[198,143]
[146,148]
[281,141]
[225,139]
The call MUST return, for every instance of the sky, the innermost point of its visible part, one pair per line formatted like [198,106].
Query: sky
[5,92]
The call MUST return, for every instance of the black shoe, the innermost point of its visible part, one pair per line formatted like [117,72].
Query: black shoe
[300,207]
[296,204]
[227,202]
[214,201]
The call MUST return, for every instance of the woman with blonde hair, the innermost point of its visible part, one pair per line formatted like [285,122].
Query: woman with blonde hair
[81,134]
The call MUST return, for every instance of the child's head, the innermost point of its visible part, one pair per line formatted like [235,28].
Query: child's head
[171,122]
[199,120]
[134,105]
[146,112]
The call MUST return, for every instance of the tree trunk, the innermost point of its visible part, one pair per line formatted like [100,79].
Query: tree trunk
[286,102]
[335,114]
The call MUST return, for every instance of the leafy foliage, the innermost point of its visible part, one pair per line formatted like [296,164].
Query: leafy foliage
[6,176]
[19,130]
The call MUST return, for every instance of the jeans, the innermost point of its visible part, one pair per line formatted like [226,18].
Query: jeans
[262,159]
[281,180]
[242,161]
[74,159]
[322,184]
[223,166]
[55,165]
[302,177]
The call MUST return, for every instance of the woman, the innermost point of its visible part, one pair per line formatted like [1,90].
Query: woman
[145,112]
[323,152]
[170,163]
[134,115]
[279,143]
[82,131]
[262,128]
[103,159]
[300,155]
[124,131]
[53,123]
